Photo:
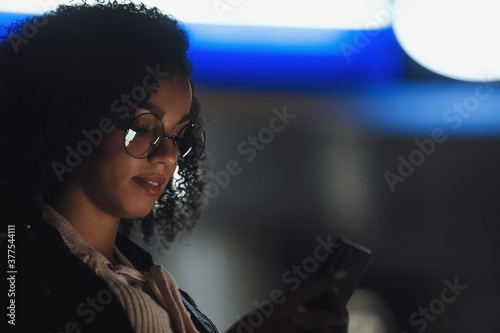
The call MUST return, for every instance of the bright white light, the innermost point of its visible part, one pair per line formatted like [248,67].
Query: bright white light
[129,137]
[322,14]
[457,39]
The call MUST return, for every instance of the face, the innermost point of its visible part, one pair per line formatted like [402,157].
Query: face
[126,187]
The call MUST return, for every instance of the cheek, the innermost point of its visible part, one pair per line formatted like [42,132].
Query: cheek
[113,160]
[108,163]
[107,179]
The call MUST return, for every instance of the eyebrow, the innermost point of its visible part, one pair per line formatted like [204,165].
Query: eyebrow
[184,118]
[153,109]
[160,113]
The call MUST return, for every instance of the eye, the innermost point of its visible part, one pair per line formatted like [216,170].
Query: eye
[184,132]
[140,131]
[145,124]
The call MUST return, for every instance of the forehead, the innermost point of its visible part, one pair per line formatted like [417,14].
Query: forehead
[171,100]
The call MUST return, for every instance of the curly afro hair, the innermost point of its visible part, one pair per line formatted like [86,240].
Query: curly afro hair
[60,73]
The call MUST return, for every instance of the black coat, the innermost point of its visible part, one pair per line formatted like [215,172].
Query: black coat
[56,292]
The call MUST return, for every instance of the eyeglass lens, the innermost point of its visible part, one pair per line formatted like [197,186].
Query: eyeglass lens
[145,135]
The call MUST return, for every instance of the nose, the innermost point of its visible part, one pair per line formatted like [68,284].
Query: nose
[167,152]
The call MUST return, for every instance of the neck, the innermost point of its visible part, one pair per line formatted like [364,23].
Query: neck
[96,227]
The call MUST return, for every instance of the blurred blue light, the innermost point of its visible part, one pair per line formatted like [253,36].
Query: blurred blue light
[315,60]
[292,58]
[7,18]
[248,38]
[417,109]
[287,58]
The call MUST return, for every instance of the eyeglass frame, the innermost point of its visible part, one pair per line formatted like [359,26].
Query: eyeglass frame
[154,147]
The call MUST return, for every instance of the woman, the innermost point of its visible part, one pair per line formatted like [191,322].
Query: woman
[98,113]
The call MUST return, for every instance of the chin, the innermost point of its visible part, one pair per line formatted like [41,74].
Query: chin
[139,211]
[142,213]
[137,206]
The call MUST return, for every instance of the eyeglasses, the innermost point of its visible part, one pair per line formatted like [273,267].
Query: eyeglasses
[144,135]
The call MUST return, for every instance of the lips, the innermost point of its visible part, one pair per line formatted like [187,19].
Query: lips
[153,184]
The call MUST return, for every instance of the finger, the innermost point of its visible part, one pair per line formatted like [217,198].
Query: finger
[337,302]
[332,330]
[313,320]
[315,287]
[339,276]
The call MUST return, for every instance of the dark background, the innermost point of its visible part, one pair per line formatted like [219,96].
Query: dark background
[324,175]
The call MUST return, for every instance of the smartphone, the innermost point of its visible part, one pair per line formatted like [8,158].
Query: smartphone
[348,257]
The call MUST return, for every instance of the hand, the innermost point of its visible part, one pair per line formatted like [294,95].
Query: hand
[292,316]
